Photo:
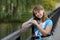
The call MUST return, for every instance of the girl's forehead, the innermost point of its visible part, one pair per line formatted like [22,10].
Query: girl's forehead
[37,11]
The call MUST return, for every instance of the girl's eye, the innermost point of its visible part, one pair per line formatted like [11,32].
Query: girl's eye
[35,12]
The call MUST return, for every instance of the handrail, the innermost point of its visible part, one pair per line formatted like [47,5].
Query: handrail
[54,12]
[16,34]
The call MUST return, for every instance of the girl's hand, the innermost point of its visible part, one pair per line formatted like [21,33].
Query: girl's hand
[34,22]
[23,30]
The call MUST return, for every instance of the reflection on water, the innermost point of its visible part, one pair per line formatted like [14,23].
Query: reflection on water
[7,28]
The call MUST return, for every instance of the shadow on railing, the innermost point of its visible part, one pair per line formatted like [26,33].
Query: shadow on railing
[17,35]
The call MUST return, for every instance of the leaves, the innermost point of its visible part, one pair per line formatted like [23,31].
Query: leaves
[14,9]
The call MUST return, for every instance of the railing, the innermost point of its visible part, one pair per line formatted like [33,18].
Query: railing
[12,36]
[16,35]
[54,16]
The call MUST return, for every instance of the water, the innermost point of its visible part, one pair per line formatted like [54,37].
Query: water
[8,28]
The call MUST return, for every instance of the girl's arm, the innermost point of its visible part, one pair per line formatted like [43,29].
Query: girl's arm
[26,25]
[46,31]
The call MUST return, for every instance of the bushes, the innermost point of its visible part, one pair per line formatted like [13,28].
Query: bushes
[26,16]
[49,4]
[18,10]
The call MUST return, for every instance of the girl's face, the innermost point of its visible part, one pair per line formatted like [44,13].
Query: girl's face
[39,14]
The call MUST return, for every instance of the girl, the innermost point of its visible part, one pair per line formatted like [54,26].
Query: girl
[42,24]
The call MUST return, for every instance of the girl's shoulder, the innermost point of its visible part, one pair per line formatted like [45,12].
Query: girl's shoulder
[49,21]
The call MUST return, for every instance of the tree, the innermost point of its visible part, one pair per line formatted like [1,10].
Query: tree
[49,4]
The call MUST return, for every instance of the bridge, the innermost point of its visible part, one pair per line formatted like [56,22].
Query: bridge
[54,15]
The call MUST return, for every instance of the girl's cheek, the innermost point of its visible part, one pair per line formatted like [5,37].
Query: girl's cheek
[41,12]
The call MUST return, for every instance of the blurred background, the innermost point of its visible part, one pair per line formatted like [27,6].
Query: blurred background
[14,12]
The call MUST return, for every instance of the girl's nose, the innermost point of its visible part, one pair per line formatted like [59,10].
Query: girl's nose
[37,14]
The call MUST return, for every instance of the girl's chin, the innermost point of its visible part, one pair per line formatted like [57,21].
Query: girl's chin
[39,17]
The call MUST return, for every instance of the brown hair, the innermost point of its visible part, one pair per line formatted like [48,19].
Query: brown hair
[38,8]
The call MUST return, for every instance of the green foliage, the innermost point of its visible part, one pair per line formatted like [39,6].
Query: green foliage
[15,9]
[26,16]
[49,4]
